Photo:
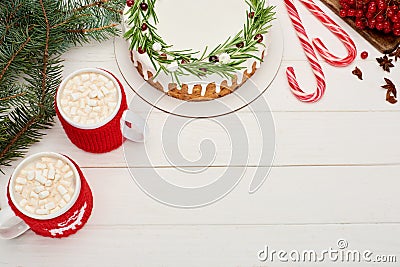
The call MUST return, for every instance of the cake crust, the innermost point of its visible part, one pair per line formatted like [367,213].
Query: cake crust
[210,93]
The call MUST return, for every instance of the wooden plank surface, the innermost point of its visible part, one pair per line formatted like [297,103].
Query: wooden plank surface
[302,138]
[335,175]
[194,246]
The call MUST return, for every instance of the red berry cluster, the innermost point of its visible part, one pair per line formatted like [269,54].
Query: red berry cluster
[382,15]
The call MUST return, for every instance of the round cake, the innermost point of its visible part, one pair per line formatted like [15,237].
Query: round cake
[197,50]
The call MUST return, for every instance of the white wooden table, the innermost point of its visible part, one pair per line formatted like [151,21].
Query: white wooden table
[335,176]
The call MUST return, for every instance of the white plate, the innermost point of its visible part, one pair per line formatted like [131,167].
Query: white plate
[240,98]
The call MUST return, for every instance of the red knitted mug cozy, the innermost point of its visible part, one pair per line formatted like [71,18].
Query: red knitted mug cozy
[66,224]
[100,140]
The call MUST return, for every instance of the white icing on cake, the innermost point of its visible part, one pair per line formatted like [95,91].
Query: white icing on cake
[193,24]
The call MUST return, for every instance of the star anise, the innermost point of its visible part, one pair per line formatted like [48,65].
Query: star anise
[357,72]
[395,54]
[385,63]
[391,93]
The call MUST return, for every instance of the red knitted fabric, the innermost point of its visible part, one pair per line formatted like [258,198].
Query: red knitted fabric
[66,224]
[100,140]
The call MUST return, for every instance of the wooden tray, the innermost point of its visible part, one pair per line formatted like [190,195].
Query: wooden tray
[384,43]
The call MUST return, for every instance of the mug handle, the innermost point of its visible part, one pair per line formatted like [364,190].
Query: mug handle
[137,129]
[11,226]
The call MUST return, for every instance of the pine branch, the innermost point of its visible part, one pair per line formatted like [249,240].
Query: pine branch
[34,35]
[17,136]
[13,57]
[12,97]
[45,53]
[94,29]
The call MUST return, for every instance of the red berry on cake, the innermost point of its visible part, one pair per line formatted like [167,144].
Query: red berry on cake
[144,27]
[251,15]
[364,55]
[214,59]
[259,38]
[240,45]
[141,50]
[130,3]
[144,6]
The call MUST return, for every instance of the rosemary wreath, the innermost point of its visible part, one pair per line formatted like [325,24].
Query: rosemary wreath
[225,60]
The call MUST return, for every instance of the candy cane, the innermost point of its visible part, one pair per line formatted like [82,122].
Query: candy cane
[338,31]
[312,58]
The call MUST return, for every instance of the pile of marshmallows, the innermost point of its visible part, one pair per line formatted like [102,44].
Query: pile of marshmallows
[44,186]
[89,98]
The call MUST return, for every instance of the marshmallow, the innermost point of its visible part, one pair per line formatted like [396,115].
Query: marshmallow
[44,194]
[31,175]
[40,178]
[19,188]
[40,165]
[69,174]
[55,210]
[42,202]
[111,104]
[51,174]
[66,183]
[57,198]
[100,95]
[93,77]
[46,159]
[45,172]
[23,202]
[50,206]
[76,119]
[103,78]
[61,189]
[48,183]
[20,180]
[59,164]
[110,85]
[73,110]
[42,211]
[75,96]
[65,168]
[92,103]
[38,189]
[85,77]
[25,193]
[93,93]
[62,203]
[76,80]
[104,90]
[93,115]
[34,195]
[30,209]
[82,105]
[67,197]
[33,202]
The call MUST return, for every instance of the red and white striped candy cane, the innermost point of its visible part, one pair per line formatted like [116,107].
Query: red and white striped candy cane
[312,58]
[338,31]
